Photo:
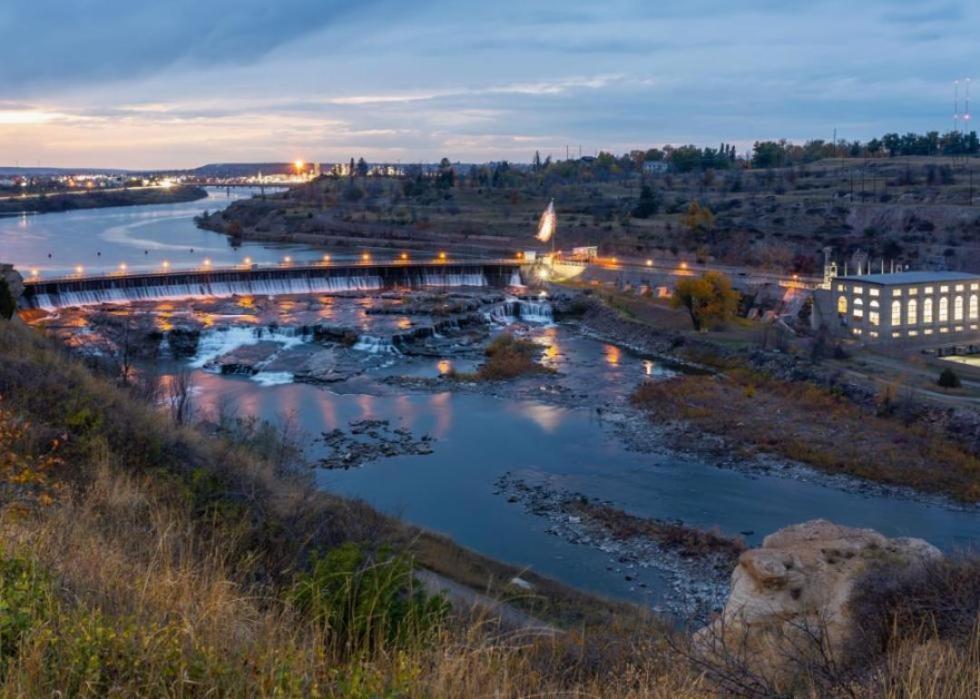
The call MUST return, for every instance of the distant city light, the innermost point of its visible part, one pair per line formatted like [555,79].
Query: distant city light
[166,264]
[79,269]
[442,256]
[34,272]
[287,259]
[122,266]
[299,165]
[207,261]
[326,258]
[248,260]
[649,263]
[366,257]
[403,256]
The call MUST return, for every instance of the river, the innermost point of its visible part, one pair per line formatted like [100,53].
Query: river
[555,438]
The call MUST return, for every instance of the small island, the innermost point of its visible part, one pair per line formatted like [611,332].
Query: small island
[97,199]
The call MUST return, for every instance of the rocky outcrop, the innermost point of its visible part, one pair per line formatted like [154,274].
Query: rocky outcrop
[790,600]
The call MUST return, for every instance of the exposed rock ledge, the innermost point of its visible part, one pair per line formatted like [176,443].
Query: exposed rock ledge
[795,592]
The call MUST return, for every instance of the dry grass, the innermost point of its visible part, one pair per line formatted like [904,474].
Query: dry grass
[805,423]
[508,357]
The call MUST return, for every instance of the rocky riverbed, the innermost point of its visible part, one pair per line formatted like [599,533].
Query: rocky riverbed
[370,440]
[697,583]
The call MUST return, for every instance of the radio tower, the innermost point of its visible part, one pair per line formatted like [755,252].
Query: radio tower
[956,105]
[966,109]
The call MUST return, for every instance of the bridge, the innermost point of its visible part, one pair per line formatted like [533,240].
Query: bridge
[246,280]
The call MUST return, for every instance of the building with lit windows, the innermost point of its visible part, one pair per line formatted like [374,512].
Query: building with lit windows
[920,307]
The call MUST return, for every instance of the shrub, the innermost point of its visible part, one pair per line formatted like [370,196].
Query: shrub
[949,379]
[365,603]
[7,303]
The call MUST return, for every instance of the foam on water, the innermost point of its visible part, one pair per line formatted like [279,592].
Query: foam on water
[273,378]
[215,343]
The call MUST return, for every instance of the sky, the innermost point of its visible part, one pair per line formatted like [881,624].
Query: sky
[180,83]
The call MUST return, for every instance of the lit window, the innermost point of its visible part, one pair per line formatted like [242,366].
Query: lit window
[896,312]
[927,311]
[857,331]
[913,292]
[858,302]
[974,287]
[943,309]
[896,334]
[873,317]
[913,333]
[944,330]
[840,287]
[896,292]
[959,287]
[872,292]
[958,308]
[842,304]
[958,328]
[872,334]
[927,331]
[943,289]
[927,290]
[974,309]
[913,312]
[859,313]
[858,290]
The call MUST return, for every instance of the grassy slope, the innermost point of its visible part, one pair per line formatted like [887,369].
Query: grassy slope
[164,561]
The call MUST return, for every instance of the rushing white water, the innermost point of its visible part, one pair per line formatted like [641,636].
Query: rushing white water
[204,289]
[513,310]
[273,378]
[376,345]
[515,279]
[217,343]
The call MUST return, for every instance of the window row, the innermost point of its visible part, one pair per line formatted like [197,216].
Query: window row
[912,307]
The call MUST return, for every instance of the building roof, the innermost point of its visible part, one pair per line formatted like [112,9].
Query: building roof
[919,277]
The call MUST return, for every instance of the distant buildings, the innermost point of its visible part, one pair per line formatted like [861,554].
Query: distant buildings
[655,167]
[902,307]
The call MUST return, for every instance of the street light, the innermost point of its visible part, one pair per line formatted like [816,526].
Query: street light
[649,263]
[207,262]
[442,257]
[287,260]
[326,258]
[79,270]
[166,265]
[366,257]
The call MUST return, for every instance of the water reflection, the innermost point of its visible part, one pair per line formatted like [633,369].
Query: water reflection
[547,417]
[611,354]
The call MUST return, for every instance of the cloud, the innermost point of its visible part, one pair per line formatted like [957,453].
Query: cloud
[69,41]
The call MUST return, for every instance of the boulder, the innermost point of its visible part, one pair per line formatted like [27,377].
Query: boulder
[790,600]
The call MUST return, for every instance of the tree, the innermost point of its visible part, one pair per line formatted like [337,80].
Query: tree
[698,218]
[648,204]
[709,299]
[362,167]
[7,302]
[949,379]
[447,176]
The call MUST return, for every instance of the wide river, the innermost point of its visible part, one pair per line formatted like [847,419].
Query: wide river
[480,437]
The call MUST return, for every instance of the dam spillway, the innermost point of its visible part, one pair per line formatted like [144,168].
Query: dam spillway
[254,281]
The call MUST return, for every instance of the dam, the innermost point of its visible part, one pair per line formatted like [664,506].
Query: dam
[253,280]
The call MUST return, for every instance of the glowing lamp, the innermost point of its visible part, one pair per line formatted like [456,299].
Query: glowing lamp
[366,257]
[166,265]
[122,266]
[79,269]
[287,259]
[403,256]
[649,263]
[442,256]
[248,260]
[326,258]
[207,262]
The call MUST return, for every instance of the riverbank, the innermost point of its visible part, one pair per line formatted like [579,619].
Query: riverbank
[70,201]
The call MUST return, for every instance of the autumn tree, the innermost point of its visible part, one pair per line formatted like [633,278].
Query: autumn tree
[709,299]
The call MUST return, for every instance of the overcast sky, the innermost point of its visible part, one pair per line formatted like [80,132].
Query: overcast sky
[178,83]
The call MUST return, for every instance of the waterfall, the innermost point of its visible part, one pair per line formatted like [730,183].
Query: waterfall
[121,290]
[376,345]
[513,310]
[515,278]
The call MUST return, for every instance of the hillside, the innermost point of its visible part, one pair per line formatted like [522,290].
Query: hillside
[910,210]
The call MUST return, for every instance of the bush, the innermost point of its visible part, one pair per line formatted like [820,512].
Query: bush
[7,303]
[949,379]
[367,603]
